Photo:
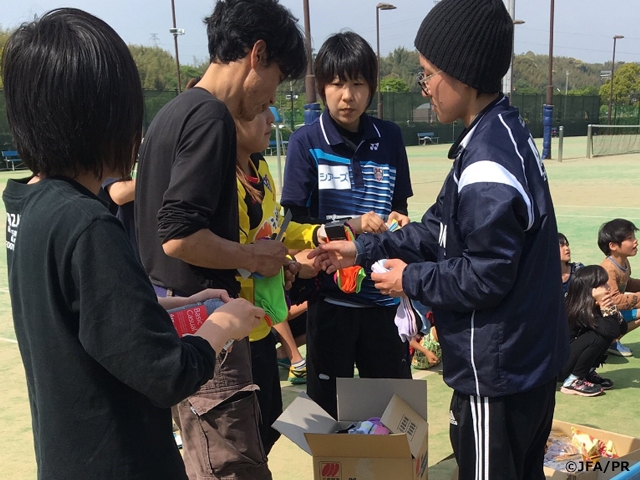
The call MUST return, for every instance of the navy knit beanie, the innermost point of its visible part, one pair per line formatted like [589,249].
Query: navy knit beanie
[471,40]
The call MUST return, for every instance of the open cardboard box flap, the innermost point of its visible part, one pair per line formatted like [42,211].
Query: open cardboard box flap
[399,417]
[304,415]
[307,425]
[362,398]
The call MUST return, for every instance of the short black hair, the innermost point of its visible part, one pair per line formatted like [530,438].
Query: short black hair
[562,240]
[346,55]
[614,231]
[236,25]
[73,94]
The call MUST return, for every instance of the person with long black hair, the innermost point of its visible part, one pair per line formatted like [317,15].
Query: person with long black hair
[594,322]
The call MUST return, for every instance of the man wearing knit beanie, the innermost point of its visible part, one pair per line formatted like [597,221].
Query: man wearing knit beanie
[484,256]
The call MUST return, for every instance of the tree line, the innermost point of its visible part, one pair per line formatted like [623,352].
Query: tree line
[398,70]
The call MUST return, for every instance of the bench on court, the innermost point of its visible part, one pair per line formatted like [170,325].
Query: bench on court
[427,138]
[11,158]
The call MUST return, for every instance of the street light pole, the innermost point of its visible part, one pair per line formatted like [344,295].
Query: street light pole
[550,74]
[566,91]
[309,79]
[509,90]
[176,32]
[613,67]
[292,100]
[380,6]
[507,81]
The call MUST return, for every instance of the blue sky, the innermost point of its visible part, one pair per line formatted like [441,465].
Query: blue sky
[584,29]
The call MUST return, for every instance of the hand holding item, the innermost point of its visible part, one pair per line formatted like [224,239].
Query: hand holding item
[390,282]
[237,318]
[270,256]
[208,293]
[217,322]
[402,220]
[308,268]
[368,223]
[334,255]
[291,269]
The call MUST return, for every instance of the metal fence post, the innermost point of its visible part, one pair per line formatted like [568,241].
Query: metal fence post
[560,139]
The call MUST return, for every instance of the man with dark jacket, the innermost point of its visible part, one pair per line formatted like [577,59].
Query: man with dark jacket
[485,255]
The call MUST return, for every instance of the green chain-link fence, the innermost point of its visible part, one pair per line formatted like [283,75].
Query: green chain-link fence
[414,115]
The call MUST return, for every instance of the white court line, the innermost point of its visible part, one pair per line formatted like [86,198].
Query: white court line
[597,206]
[10,340]
[556,206]
[583,216]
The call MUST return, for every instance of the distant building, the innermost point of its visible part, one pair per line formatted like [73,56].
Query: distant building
[423,113]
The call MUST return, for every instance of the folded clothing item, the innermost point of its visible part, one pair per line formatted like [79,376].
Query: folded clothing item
[405,318]
[269,295]
[372,426]
[350,279]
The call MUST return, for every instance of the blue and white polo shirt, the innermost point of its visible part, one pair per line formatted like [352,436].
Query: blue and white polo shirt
[324,175]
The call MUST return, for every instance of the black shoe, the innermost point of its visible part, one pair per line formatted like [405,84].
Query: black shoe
[581,387]
[593,377]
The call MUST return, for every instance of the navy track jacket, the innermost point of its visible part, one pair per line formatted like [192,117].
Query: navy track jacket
[485,257]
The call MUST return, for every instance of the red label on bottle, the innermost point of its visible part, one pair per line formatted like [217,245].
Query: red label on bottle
[188,320]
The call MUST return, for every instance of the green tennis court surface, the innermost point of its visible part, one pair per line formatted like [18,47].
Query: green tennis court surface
[586,193]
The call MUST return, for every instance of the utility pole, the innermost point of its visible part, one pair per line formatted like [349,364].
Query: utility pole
[292,99]
[613,67]
[309,79]
[176,31]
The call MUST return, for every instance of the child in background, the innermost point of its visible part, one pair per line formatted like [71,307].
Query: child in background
[291,339]
[259,218]
[424,348]
[617,240]
[594,322]
[102,360]
[568,268]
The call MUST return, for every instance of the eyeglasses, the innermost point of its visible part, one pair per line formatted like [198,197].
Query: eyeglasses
[423,81]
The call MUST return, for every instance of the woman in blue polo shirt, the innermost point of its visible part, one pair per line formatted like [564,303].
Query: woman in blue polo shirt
[348,165]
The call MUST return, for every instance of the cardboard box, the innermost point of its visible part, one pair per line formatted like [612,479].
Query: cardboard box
[628,448]
[402,406]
